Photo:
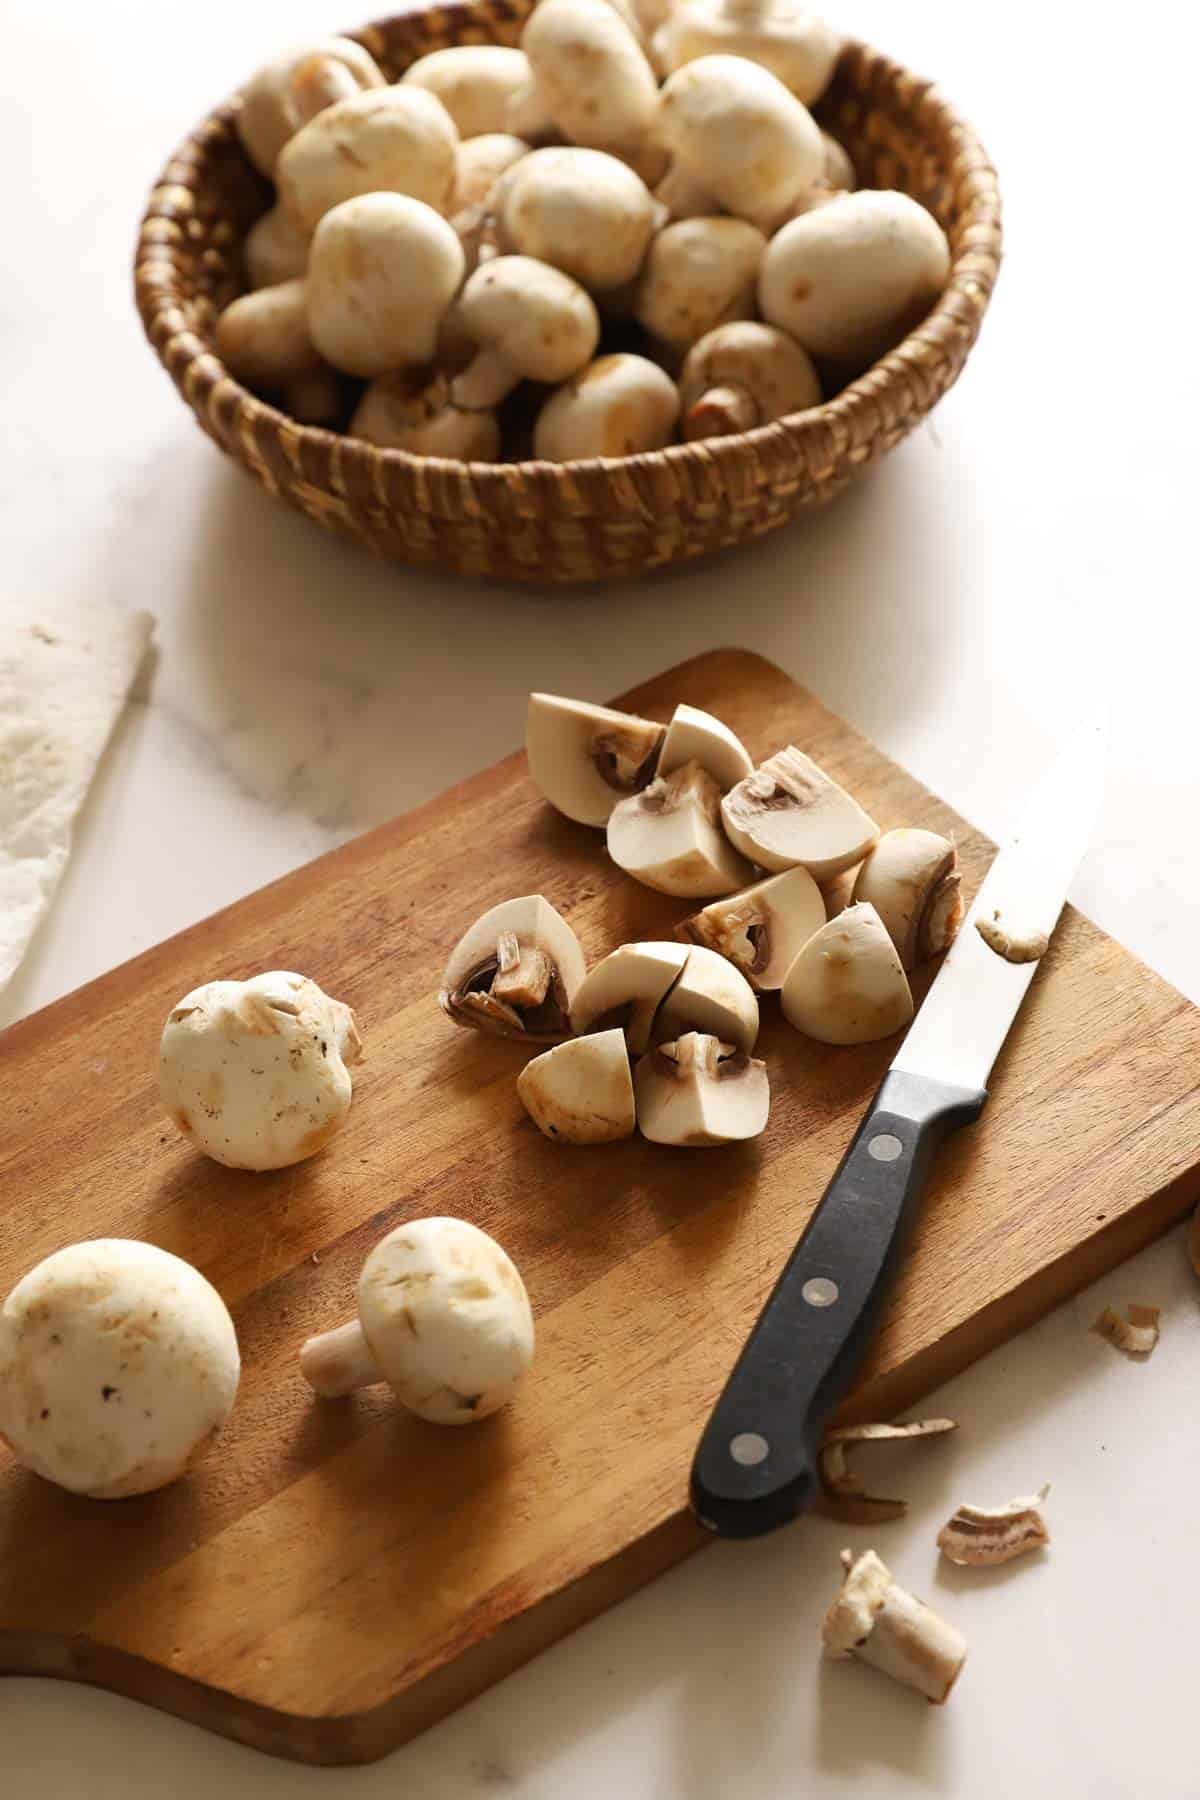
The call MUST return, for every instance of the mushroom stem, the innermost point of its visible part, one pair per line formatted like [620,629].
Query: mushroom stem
[489,377]
[880,1623]
[337,1362]
[719,412]
[321,82]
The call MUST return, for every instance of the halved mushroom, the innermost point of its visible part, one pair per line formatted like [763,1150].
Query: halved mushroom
[911,879]
[981,1536]
[586,758]
[763,929]
[710,997]
[695,736]
[700,1091]
[790,812]
[516,972]
[626,989]
[669,837]
[876,1620]
[581,1092]
[847,985]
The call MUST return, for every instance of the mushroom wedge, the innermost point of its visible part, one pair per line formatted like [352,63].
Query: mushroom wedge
[627,989]
[695,736]
[789,813]
[699,1091]
[762,930]
[586,758]
[581,1092]
[710,997]
[515,973]
[847,985]
[911,879]
[669,837]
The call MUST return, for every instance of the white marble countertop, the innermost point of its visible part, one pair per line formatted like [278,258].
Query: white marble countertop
[1027,552]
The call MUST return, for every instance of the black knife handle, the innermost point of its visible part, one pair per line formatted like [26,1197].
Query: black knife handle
[756,1468]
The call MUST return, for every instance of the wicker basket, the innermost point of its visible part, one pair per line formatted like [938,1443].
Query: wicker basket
[583,521]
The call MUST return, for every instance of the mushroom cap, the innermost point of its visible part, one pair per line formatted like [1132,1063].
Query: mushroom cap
[626,990]
[275,101]
[620,405]
[581,1092]
[118,1366]
[711,997]
[758,361]
[796,45]
[790,812]
[381,275]
[263,338]
[763,929]
[398,140]
[699,1091]
[847,986]
[851,278]
[591,73]
[583,211]
[446,1318]
[696,736]
[669,837]
[475,967]
[543,324]
[274,251]
[911,879]
[481,162]
[735,127]
[839,172]
[255,1072]
[476,83]
[697,274]
[583,758]
[424,423]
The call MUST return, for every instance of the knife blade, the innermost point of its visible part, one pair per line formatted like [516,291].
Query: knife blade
[756,1465]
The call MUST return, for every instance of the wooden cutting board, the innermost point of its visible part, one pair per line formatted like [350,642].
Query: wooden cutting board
[337,1576]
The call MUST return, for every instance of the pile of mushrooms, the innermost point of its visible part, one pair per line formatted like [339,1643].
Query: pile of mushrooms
[628,230]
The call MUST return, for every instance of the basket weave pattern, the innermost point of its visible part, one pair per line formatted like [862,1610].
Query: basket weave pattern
[583,521]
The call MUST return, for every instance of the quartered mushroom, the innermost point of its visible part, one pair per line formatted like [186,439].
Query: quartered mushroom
[586,758]
[699,1091]
[443,1318]
[911,878]
[743,375]
[581,1092]
[763,929]
[789,813]
[397,140]
[696,736]
[877,1621]
[847,985]
[257,1073]
[118,1367]
[711,997]
[626,989]
[669,837]
[843,1494]
[982,1536]
[515,973]
[838,891]
[292,88]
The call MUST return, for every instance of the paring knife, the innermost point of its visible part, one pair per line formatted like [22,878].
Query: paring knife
[755,1468]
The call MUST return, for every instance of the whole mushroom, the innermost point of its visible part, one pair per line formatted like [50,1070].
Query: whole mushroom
[696,736]
[257,1073]
[515,973]
[697,274]
[398,413]
[743,375]
[443,1318]
[531,322]
[699,1091]
[791,41]
[381,275]
[591,74]
[481,163]
[118,1367]
[292,88]
[620,405]
[476,83]
[274,250]
[264,337]
[734,127]
[583,211]
[398,140]
[585,758]
[911,878]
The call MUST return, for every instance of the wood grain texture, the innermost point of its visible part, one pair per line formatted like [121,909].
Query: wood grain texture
[336,1576]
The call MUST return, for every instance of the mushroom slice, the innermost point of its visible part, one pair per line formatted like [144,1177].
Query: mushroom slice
[1014,944]
[711,997]
[847,985]
[669,837]
[844,1495]
[515,973]
[627,989]
[585,758]
[789,811]
[980,1536]
[581,1092]
[763,929]
[876,1620]
[911,879]
[695,736]
[699,1091]
[1137,1336]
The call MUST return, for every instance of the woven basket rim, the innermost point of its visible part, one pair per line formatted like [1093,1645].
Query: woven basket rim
[972,275]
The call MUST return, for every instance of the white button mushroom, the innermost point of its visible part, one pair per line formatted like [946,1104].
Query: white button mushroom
[581,210]
[443,1318]
[398,140]
[274,250]
[531,322]
[763,929]
[264,338]
[476,83]
[712,997]
[847,986]
[911,879]
[626,989]
[798,48]
[118,1367]
[743,375]
[620,405]
[699,1091]
[255,1072]
[697,274]
[585,758]
[397,414]
[684,197]
[696,736]
[849,279]
[731,125]
[383,271]
[515,973]
[289,90]
[591,74]
[669,837]
[481,163]
[790,812]
[581,1092]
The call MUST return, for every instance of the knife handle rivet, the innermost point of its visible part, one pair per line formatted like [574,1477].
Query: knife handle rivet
[820,1291]
[885,1146]
[749,1448]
